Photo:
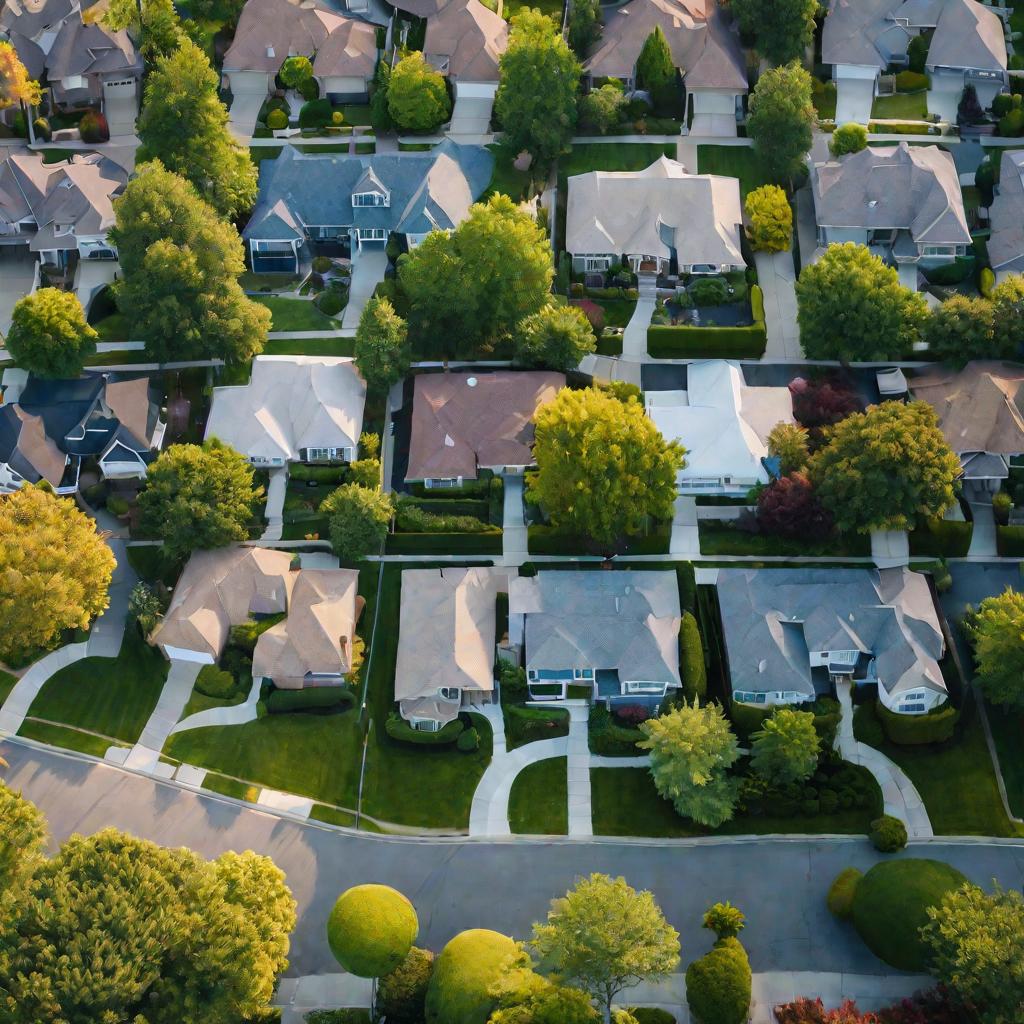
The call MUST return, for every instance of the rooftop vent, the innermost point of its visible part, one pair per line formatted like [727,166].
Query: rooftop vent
[872,203]
[270,52]
[471,381]
[762,665]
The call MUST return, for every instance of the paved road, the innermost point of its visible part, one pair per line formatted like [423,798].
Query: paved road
[458,884]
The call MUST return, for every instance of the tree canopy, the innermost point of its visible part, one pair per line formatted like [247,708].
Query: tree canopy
[1008,313]
[401,994]
[788,443]
[655,69]
[54,570]
[154,23]
[601,109]
[997,630]
[523,996]
[584,26]
[198,497]
[788,507]
[781,120]
[381,345]
[22,840]
[556,337]
[852,307]
[49,335]
[771,219]
[359,518]
[848,138]
[962,329]
[371,930]
[296,72]
[464,971]
[782,29]
[603,467]
[885,468]
[16,86]
[785,749]
[417,96]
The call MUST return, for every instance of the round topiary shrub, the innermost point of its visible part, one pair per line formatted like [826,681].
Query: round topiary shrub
[718,984]
[277,120]
[331,302]
[459,991]
[468,741]
[652,1015]
[371,930]
[841,892]
[215,682]
[891,903]
[888,834]
[402,993]
[93,127]
[337,118]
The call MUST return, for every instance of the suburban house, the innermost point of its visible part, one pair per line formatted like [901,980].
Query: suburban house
[309,201]
[311,645]
[863,39]
[793,634]
[723,424]
[1006,215]
[294,409]
[979,411]
[446,643]
[464,422]
[83,63]
[60,211]
[343,52]
[903,202]
[28,456]
[654,220]
[705,50]
[615,634]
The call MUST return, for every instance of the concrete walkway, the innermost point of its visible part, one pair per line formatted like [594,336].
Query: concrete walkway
[578,769]
[368,269]
[685,539]
[145,755]
[236,714]
[983,537]
[777,278]
[899,794]
[634,337]
[514,544]
[612,368]
[275,503]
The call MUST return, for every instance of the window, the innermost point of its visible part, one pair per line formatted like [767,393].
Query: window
[443,481]
[281,247]
[597,262]
[369,199]
[426,725]
[911,709]
[583,673]
[372,234]
[938,250]
[449,693]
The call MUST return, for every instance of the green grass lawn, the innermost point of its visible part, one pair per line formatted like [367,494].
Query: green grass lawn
[901,106]
[111,696]
[617,312]
[200,702]
[295,314]
[732,162]
[365,148]
[415,147]
[257,154]
[539,802]
[718,539]
[113,328]
[310,346]
[824,97]
[150,564]
[55,156]
[356,113]
[7,682]
[251,282]
[330,147]
[230,787]
[69,739]
[1007,729]
[505,178]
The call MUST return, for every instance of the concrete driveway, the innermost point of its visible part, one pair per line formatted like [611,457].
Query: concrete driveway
[17,269]
[471,115]
[854,97]
[368,268]
[121,112]
[777,278]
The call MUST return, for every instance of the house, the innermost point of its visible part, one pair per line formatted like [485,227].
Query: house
[1006,215]
[463,423]
[862,39]
[979,412]
[792,634]
[903,202]
[446,640]
[60,211]
[704,49]
[83,62]
[723,424]
[654,219]
[27,455]
[311,645]
[294,409]
[613,633]
[308,201]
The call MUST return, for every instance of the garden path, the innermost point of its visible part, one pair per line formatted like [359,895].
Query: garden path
[685,539]
[983,537]
[276,491]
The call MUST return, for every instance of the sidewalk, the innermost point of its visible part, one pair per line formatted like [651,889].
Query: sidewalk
[578,769]
[275,503]
[685,539]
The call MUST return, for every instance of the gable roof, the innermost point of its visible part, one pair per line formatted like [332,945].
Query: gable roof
[1006,214]
[654,211]
[92,49]
[465,40]
[462,420]
[25,447]
[914,188]
[290,403]
[622,620]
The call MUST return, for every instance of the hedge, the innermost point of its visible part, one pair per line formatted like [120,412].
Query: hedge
[691,658]
[651,1015]
[309,699]
[550,540]
[842,891]
[687,586]
[464,973]
[609,738]
[901,128]
[718,985]
[489,543]
[757,304]
[665,342]
[941,538]
[399,729]
[1010,541]
[912,81]
[914,730]
[333,474]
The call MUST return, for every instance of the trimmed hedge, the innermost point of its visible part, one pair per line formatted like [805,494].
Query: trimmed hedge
[371,930]
[888,834]
[399,729]
[691,658]
[1010,541]
[664,342]
[215,682]
[651,1015]
[915,730]
[718,985]
[444,543]
[332,474]
[757,303]
[687,586]
[941,538]
[312,698]
[842,891]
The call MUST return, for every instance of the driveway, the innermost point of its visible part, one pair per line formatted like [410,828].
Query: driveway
[777,278]
[368,268]
[781,886]
[471,115]
[854,97]
[17,270]
[92,276]
[121,112]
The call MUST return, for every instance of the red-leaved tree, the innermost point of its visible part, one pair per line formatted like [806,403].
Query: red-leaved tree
[822,403]
[788,507]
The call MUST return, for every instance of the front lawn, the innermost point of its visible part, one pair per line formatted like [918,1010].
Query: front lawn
[295,314]
[732,162]
[7,682]
[200,702]
[717,537]
[901,106]
[539,802]
[1007,729]
[110,696]
[311,346]
[617,312]
[113,328]
[251,282]
[69,739]
[505,178]
[356,113]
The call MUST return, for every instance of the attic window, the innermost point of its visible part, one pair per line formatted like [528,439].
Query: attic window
[270,52]
[448,441]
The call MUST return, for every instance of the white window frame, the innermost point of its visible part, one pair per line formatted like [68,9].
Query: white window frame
[452,693]
[374,199]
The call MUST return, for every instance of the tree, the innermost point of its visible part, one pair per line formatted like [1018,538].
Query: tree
[584,26]
[1008,314]
[16,88]
[691,748]
[371,930]
[822,402]
[604,936]
[770,217]
[718,985]
[655,69]
[785,749]
[49,335]
[417,96]
[725,920]
[602,109]
[523,996]
[691,659]
[787,442]
[154,23]
[359,518]
[997,631]
[968,110]
[198,497]
[554,338]
[788,507]
[538,79]
[848,138]
[852,307]
[467,967]
[781,120]
[603,467]
[402,992]
[962,329]
[783,29]
[195,941]
[380,116]
[54,570]
[885,468]
[22,841]
[296,73]
[184,125]
[181,265]
[976,941]
[382,345]
[145,607]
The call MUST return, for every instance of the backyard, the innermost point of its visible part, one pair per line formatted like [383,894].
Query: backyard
[539,802]
[901,106]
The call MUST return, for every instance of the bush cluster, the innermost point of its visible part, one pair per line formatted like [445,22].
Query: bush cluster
[215,682]
[411,518]
[912,81]
[609,738]
[331,302]
[399,729]
[335,473]
[709,291]
[312,698]
[832,788]
[93,127]
[914,730]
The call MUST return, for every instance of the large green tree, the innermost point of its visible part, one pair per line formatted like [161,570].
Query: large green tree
[604,936]
[1008,314]
[788,442]
[852,307]
[584,26]
[198,497]
[49,334]
[22,842]
[115,928]
[556,337]
[181,265]
[16,87]
[786,747]
[692,748]
[358,518]
[154,23]
[781,120]
[782,29]
[184,125]
[604,470]
[771,219]
[417,96]
[538,81]
[655,69]
[525,997]
[402,993]
[997,630]
[885,468]
[962,329]
[54,570]
[382,345]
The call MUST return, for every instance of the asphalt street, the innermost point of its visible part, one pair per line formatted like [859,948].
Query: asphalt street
[457,884]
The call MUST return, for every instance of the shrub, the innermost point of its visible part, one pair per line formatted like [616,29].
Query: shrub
[468,741]
[401,994]
[215,682]
[312,698]
[941,538]
[411,518]
[1012,124]
[952,273]
[912,81]
[41,127]
[315,114]
[277,120]
[748,718]
[371,930]
[651,1015]
[888,834]
[93,127]
[465,971]
[725,920]
[1001,505]
[631,714]
[709,291]
[337,118]
[706,342]
[331,302]
[986,282]
[1002,104]
[610,739]
[399,729]
[691,658]
[917,54]
[914,730]
[848,138]
[771,219]
[1010,541]
[842,891]
[117,506]
[718,984]
[757,304]
[245,634]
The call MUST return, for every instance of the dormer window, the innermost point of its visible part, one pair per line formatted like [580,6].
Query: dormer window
[370,199]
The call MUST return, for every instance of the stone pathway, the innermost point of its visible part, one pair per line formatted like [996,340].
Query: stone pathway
[514,544]
[685,539]
[777,278]
[578,769]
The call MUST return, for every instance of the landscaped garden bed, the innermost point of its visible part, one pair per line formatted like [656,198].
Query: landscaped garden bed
[526,723]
